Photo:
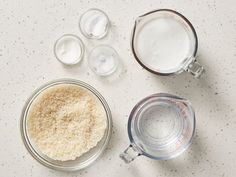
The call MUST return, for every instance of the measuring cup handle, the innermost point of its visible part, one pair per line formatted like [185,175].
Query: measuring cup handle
[195,68]
[130,154]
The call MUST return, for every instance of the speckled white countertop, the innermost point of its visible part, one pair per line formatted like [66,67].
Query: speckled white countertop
[28,30]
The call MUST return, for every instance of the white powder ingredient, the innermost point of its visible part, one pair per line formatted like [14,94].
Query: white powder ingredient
[66,121]
[94,23]
[69,50]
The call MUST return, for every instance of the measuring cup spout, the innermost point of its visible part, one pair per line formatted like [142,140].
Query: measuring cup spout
[130,153]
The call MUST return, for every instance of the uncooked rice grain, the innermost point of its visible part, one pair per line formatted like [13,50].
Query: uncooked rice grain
[66,121]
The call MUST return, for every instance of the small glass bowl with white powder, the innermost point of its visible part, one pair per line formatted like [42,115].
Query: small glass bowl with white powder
[94,24]
[66,125]
[69,49]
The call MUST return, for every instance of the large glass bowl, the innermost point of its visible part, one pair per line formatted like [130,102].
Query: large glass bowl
[80,162]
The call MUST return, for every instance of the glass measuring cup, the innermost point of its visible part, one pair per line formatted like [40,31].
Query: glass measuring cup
[160,127]
[164,42]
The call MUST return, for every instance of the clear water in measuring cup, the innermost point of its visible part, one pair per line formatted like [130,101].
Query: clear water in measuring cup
[161,126]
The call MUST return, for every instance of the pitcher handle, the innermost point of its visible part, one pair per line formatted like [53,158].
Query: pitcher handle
[130,153]
[195,68]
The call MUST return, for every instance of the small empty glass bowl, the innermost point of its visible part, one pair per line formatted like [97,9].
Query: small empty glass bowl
[69,49]
[94,24]
[71,165]
[103,60]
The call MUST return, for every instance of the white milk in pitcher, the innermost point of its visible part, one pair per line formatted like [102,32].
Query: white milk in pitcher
[163,44]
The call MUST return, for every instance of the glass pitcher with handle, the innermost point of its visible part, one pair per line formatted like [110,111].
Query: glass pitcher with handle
[160,126]
[164,42]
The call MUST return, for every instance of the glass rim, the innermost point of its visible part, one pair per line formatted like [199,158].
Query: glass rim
[156,71]
[81,46]
[146,99]
[95,37]
[26,139]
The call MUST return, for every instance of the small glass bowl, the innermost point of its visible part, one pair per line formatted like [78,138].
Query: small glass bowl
[103,60]
[94,24]
[69,49]
[80,162]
